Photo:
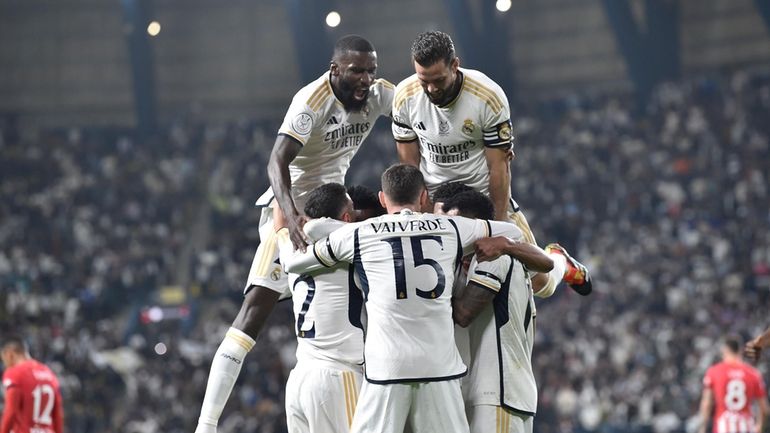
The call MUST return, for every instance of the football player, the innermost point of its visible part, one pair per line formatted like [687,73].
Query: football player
[454,124]
[323,128]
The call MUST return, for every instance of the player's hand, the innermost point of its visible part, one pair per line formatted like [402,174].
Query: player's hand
[488,249]
[206,428]
[753,350]
[299,239]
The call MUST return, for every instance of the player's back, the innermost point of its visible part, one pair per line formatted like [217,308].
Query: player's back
[406,263]
[736,385]
[327,307]
[38,406]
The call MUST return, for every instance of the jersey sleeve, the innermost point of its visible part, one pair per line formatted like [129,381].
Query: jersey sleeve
[299,120]
[489,275]
[708,379]
[509,230]
[497,128]
[402,125]
[337,247]
[469,231]
[385,91]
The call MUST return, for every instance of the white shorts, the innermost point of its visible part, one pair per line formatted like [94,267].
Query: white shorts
[265,269]
[486,418]
[424,407]
[320,400]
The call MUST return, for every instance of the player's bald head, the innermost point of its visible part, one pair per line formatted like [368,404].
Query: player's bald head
[350,43]
[403,184]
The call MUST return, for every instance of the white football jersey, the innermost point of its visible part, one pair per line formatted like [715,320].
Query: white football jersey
[501,339]
[327,306]
[406,264]
[453,137]
[329,134]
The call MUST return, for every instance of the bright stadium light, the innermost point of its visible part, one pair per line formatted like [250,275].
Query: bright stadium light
[153,28]
[333,19]
[503,5]
[160,349]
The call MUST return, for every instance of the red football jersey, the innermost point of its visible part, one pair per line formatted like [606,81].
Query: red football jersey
[736,385]
[32,399]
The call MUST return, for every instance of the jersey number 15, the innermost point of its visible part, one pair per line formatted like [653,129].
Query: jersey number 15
[419,260]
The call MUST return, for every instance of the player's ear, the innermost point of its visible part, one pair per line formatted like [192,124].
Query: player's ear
[381,196]
[455,64]
[425,201]
[347,217]
[334,68]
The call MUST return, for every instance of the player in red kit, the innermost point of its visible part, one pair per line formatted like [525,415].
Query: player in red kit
[32,399]
[734,385]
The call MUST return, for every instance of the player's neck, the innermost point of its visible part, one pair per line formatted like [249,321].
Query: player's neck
[398,208]
[456,87]
[732,359]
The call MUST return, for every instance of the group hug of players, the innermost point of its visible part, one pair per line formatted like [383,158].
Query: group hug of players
[443,243]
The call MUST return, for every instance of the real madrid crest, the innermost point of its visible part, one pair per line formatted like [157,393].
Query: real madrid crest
[468,126]
[504,131]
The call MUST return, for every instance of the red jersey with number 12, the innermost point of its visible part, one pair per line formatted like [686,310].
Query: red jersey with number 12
[736,385]
[33,402]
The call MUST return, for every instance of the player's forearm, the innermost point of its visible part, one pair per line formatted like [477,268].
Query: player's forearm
[763,340]
[470,304]
[500,188]
[280,181]
[408,152]
[532,257]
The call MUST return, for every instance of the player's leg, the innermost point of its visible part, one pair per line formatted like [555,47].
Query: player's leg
[487,418]
[260,296]
[382,408]
[438,407]
[296,420]
[565,268]
[330,399]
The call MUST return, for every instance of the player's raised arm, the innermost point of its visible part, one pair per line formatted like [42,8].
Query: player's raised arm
[284,151]
[532,257]
[327,252]
[754,347]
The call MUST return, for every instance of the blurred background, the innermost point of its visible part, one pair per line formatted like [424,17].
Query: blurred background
[134,137]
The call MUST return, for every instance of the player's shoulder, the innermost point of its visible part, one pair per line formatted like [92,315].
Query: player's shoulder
[405,90]
[479,85]
[315,95]
[381,94]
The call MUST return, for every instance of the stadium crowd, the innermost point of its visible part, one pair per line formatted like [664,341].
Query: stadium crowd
[669,207]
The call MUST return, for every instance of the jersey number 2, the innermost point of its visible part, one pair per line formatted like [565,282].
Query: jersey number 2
[310,282]
[419,260]
[41,413]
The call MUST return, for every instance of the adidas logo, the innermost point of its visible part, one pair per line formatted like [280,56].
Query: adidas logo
[420,126]
[332,121]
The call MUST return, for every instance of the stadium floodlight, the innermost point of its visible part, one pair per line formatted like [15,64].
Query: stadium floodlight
[161,349]
[333,19]
[153,29]
[503,5]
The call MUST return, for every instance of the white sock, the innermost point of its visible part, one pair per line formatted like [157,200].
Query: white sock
[224,371]
[554,276]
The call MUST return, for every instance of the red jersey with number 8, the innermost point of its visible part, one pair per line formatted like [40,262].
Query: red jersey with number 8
[735,385]
[32,399]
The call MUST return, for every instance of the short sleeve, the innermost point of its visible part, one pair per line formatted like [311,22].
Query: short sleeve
[299,120]
[489,275]
[509,230]
[8,380]
[402,124]
[497,128]
[385,91]
[337,247]
[469,231]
